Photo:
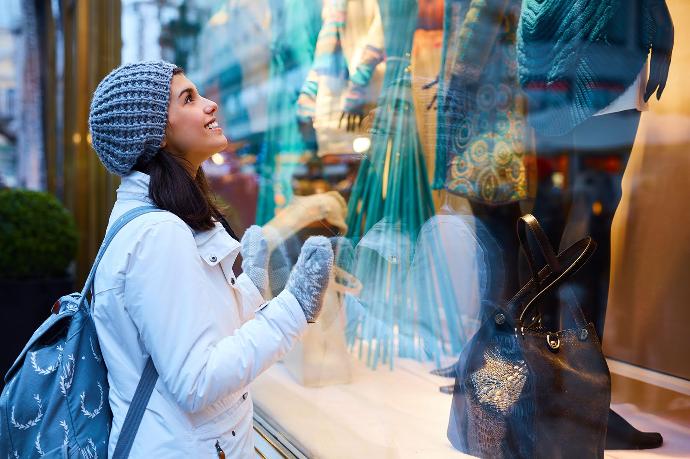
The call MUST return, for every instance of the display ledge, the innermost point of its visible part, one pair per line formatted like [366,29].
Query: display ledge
[398,413]
[271,444]
[382,413]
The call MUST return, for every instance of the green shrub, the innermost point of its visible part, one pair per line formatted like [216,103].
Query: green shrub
[38,236]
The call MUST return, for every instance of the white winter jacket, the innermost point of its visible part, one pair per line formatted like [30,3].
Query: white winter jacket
[163,291]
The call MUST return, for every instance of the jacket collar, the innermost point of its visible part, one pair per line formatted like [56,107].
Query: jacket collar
[214,245]
[134,186]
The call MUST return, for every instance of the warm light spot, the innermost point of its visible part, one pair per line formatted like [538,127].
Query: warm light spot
[88,138]
[218,159]
[558,179]
[386,169]
[76,138]
[220,18]
[597,208]
[361,144]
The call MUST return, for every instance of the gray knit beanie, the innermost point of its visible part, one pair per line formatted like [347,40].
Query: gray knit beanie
[129,112]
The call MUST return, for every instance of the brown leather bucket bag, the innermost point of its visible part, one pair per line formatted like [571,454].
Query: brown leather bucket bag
[522,389]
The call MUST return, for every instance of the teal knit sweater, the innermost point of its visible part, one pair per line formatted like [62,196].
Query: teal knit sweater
[575,57]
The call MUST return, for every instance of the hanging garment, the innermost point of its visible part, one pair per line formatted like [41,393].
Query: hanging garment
[348,25]
[294,27]
[365,67]
[328,71]
[484,148]
[392,182]
[391,185]
[576,57]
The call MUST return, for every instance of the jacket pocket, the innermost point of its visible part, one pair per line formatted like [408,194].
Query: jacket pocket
[225,421]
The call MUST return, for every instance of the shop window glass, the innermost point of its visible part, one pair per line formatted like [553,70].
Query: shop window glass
[415,134]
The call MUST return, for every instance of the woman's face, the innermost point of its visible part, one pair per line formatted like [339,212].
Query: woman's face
[192,131]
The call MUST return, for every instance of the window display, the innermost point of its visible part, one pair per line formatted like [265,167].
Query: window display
[420,136]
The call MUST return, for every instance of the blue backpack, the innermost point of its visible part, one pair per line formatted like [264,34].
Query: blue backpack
[55,402]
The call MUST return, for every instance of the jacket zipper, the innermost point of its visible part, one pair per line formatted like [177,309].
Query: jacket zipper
[219,450]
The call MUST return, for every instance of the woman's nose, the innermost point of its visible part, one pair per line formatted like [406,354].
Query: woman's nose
[210,107]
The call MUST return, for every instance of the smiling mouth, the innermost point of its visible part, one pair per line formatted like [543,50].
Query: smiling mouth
[212,125]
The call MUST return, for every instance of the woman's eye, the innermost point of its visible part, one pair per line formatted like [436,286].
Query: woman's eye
[188,98]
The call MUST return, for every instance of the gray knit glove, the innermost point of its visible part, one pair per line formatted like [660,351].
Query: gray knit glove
[255,258]
[279,267]
[310,276]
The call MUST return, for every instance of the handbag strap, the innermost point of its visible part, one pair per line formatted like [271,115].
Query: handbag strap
[149,376]
[583,249]
[557,269]
[529,222]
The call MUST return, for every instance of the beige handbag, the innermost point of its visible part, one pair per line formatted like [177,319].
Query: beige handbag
[321,358]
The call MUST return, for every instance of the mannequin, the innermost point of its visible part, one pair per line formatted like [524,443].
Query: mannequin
[348,27]
[366,75]
[588,104]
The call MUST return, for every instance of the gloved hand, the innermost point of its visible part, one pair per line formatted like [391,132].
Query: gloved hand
[662,48]
[310,276]
[279,267]
[255,258]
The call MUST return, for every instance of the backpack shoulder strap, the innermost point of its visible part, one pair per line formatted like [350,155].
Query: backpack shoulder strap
[136,411]
[110,235]
[149,376]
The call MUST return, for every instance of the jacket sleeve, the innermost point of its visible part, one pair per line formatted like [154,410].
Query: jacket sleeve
[167,298]
[250,297]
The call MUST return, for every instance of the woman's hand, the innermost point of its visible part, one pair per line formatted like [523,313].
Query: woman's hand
[309,278]
[255,258]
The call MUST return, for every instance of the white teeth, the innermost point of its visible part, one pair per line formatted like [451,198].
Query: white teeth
[212,125]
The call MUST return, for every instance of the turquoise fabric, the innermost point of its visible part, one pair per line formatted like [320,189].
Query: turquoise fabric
[390,199]
[575,57]
[295,25]
[392,179]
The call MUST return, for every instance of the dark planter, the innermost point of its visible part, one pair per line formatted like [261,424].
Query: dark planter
[24,305]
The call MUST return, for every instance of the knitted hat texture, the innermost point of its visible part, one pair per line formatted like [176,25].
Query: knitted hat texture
[128,114]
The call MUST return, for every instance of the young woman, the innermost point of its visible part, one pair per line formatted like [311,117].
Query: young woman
[165,287]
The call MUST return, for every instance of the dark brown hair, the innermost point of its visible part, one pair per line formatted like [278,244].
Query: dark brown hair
[172,188]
